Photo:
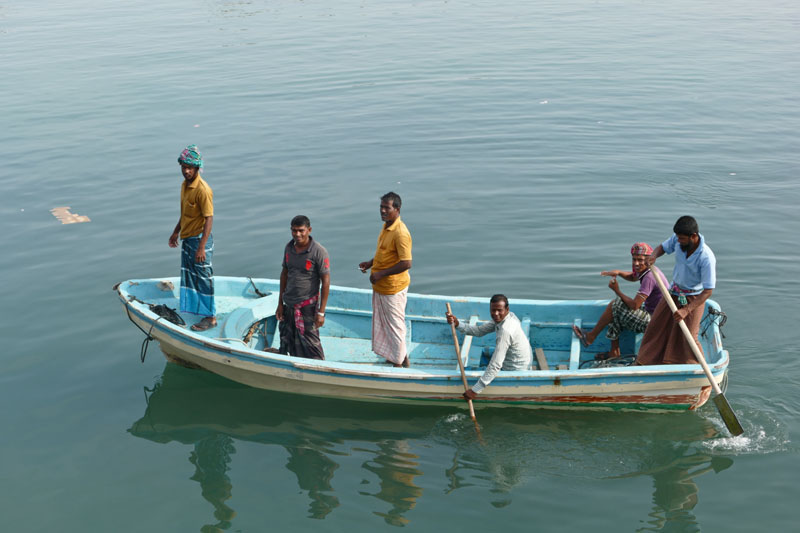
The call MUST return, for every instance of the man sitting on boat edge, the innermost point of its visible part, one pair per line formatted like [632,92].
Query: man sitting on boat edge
[512,349]
[625,312]
[304,286]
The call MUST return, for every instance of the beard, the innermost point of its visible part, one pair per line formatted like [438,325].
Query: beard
[685,247]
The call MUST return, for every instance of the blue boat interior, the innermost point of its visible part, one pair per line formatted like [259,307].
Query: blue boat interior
[246,318]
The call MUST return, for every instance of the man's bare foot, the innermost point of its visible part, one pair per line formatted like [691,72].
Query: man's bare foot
[272,350]
[207,323]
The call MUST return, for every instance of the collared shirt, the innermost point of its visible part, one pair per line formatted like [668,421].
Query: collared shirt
[695,273]
[304,270]
[394,245]
[197,203]
[512,351]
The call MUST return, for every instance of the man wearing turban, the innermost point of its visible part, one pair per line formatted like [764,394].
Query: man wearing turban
[194,229]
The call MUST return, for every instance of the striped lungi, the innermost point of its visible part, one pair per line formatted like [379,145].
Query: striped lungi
[389,325]
[197,279]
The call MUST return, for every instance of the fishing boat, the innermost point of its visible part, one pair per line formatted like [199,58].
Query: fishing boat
[564,373]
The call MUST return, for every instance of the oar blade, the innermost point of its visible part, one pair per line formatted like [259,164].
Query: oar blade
[728,416]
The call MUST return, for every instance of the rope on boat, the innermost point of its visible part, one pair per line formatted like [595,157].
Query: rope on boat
[147,334]
[258,292]
[711,317]
[624,360]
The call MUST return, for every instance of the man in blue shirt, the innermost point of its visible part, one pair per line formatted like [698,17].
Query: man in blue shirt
[693,279]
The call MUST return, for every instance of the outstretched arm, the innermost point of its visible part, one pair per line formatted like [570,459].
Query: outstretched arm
[624,274]
[494,366]
[658,252]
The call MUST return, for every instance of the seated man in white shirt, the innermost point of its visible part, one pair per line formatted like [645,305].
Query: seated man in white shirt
[513,349]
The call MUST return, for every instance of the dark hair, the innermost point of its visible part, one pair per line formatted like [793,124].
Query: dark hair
[686,225]
[300,220]
[392,197]
[499,298]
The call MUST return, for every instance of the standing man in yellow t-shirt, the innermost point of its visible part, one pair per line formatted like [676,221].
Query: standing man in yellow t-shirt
[194,229]
[390,280]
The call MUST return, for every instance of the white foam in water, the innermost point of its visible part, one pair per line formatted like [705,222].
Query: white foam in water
[754,440]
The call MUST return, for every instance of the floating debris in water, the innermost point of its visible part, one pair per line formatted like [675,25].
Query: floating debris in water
[543,102]
[63,214]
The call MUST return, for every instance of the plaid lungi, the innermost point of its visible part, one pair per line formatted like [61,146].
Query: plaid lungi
[299,334]
[623,317]
[197,279]
[389,325]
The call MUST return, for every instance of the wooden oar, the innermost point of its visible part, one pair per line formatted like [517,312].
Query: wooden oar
[463,375]
[724,408]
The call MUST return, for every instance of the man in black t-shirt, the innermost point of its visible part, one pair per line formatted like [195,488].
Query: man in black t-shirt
[305,283]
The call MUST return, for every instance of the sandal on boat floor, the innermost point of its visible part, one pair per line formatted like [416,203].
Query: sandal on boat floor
[581,335]
[203,325]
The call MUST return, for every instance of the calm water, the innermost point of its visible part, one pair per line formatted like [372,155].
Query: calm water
[532,143]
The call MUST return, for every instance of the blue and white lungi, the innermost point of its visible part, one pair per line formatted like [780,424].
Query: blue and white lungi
[197,279]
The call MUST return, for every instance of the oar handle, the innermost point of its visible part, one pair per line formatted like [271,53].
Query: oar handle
[461,364]
[686,333]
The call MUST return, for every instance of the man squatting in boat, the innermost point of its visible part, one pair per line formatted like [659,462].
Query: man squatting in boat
[693,279]
[512,349]
[194,229]
[625,312]
[390,280]
[301,301]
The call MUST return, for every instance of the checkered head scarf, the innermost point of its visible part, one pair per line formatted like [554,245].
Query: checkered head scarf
[191,157]
[641,248]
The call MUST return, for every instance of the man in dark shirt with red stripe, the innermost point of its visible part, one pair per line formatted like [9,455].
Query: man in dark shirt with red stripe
[305,283]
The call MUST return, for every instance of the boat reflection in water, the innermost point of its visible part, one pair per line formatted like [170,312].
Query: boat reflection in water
[323,437]
[211,413]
